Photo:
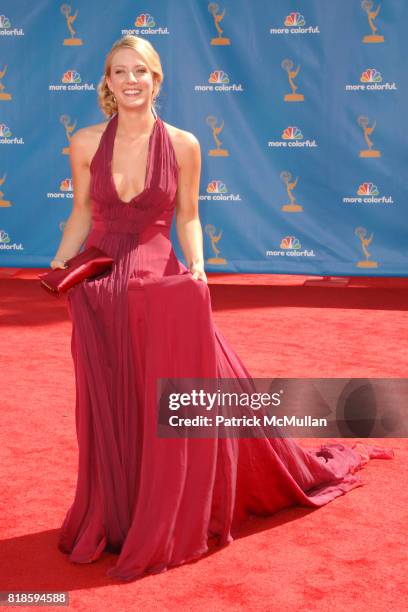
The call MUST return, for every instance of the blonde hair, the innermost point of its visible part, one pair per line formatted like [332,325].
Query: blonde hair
[106,99]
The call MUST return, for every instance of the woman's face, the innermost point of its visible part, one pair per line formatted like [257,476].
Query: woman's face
[130,79]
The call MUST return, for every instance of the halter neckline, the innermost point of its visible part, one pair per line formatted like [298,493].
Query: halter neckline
[148,170]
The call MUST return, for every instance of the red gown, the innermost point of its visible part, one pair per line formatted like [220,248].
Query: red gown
[156,502]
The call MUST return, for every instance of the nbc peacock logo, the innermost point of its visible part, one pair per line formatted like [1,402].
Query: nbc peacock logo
[292,133]
[145,21]
[7,30]
[5,131]
[66,190]
[294,20]
[7,245]
[71,80]
[218,76]
[4,22]
[367,189]
[71,76]
[6,136]
[294,23]
[290,242]
[219,80]
[145,24]
[371,76]
[4,237]
[218,191]
[292,137]
[66,185]
[371,80]
[217,187]
[368,193]
[290,246]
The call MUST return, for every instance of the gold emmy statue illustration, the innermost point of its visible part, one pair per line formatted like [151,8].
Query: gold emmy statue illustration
[3,203]
[361,232]
[73,41]
[368,130]
[3,94]
[69,128]
[218,152]
[367,6]
[287,65]
[220,40]
[293,206]
[210,231]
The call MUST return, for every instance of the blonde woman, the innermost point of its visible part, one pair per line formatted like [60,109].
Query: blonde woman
[154,501]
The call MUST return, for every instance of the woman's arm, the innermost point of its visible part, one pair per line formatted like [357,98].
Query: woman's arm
[188,225]
[79,222]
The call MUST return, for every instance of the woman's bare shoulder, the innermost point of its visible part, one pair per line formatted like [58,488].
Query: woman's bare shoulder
[185,143]
[86,140]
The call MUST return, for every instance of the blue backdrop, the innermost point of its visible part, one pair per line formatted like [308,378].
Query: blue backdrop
[299,108]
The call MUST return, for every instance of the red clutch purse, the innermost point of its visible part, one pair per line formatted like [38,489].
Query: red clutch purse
[88,264]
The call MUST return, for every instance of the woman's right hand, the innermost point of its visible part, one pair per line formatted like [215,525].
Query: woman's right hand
[58,263]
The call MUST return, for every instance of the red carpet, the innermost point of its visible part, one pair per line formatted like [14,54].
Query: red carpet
[349,554]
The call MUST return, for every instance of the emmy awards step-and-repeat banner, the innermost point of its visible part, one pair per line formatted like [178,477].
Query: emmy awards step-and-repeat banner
[299,106]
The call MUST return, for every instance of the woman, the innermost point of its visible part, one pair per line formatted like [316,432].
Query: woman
[157,501]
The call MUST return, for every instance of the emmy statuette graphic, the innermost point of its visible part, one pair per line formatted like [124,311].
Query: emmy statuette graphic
[367,6]
[218,17]
[218,152]
[210,231]
[361,232]
[3,203]
[69,128]
[368,130]
[73,41]
[3,95]
[287,65]
[293,206]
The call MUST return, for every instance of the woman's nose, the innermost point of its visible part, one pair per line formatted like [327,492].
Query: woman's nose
[132,77]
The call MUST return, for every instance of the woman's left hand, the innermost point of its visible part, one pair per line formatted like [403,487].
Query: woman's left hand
[198,273]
